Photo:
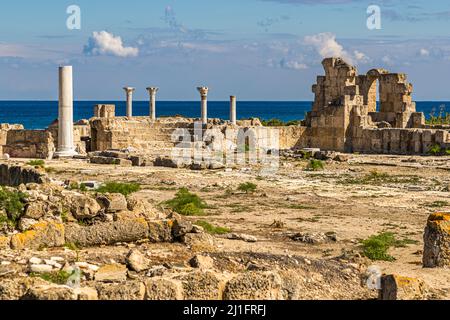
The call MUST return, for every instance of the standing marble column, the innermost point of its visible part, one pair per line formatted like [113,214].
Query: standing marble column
[204,94]
[65,146]
[233,110]
[129,91]
[152,91]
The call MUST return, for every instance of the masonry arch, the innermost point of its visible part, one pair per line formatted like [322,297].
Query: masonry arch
[374,88]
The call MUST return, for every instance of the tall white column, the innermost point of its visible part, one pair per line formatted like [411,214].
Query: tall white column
[152,91]
[129,91]
[65,147]
[233,110]
[204,94]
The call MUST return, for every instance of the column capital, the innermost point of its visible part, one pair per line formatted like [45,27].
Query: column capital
[129,89]
[203,91]
[152,90]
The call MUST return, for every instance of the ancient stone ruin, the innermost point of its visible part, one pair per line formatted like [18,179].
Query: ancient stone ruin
[345,117]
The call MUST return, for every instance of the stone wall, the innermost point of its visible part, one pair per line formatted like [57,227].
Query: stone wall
[29,144]
[11,175]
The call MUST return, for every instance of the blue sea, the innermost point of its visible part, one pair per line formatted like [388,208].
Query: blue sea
[39,114]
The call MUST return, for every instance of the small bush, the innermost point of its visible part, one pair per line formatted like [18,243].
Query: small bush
[60,277]
[187,203]
[13,203]
[279,123]
[209,228]
[435,150]
[36,163]
[247,187]
[377,246]
[118,187]
[315,165]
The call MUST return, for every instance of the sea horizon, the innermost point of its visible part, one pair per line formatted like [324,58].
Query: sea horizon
[39,114]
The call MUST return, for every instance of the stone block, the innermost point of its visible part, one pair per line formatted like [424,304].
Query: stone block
[41,235]
[395,287]
[436,253]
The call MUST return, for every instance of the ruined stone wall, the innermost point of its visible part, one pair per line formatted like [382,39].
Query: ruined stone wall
[29,144]
[398,141]
[140,133]
[15,175]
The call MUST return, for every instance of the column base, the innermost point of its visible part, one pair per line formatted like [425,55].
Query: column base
[64,154]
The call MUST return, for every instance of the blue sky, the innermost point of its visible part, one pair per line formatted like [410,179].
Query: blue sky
[255,49]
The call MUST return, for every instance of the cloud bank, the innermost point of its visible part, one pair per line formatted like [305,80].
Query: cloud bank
[105,43]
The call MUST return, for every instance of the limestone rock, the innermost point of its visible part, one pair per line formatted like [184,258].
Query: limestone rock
[163,289]
[136,261]
[436,251]
[199,241]
[202,285]
[314,238]
[111,161]
[142,208]
[395,287]
[40,268]
[169,162]
[83,206]
[50,292]
[130,290]
[112,202]
[35,210]
[181,227]
[4,242]
[254,286]
[241,236]
[111,273]
[43,234]
[107,233]
[86,294]
[202,262]
[160,231]
[26,224]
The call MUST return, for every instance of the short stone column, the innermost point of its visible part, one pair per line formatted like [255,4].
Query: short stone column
[152,91]
[204,94]
[129,91]
[233,110]
[436,252]
[65,146]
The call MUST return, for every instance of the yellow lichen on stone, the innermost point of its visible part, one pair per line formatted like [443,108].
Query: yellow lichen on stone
[4,242]
[42,234]
[440,220]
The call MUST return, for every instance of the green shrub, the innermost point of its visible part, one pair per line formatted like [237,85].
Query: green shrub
[279,123]
[36,163]
[78,186]
[435,150]
[376,247]
[60,277]
[209,228]
[118,187]
[247,187]
[315,165]
[13,203]
[187,203]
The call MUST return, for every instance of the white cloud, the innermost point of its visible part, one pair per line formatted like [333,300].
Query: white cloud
[327,46]
[361,57]
[424,52]
[105,43]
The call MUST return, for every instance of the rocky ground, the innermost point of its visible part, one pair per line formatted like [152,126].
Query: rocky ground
[297,236]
